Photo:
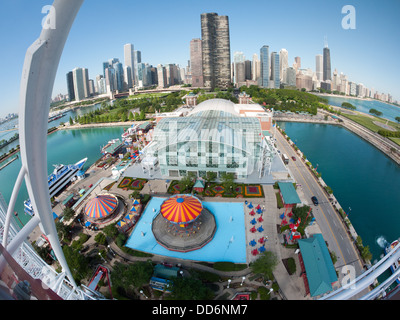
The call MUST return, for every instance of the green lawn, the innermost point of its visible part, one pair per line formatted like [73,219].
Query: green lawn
[368,122]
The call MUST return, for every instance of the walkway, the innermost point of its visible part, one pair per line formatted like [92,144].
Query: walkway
[291,286]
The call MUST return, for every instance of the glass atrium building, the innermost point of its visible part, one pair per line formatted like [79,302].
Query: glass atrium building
[217,135]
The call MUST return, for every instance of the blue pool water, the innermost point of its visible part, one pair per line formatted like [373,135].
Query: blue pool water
[228,244]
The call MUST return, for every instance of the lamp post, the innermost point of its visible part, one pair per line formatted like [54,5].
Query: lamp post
[243,278]
[229,282]
[141,291]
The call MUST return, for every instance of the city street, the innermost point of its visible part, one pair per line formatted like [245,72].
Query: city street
[332,227]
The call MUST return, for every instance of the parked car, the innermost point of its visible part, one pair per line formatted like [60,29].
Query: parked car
[294,158]
[314,200]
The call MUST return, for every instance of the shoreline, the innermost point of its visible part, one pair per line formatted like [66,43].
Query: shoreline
[350,97]
[100,125]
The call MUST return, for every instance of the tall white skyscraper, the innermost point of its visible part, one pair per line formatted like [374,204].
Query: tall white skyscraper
[79,89]
[319,67]
[86,89]
[255,68]
[129,62]
[283,63]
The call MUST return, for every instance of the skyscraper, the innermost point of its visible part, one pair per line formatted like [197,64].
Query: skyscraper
[283,64]
[119,75]
[318,67]
[129,62]
[327,73]
[70,86]
[216,50]
[196,62]
[162,76]
[86,90]
[275,77]
[264,61]
[137,58]
[239,68]
[79,89]
[255,68]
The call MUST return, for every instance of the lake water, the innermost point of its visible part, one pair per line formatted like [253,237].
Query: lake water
[389,111]
[364,180]
[63,147]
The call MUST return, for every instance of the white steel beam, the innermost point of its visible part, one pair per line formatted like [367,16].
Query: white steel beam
[39,71]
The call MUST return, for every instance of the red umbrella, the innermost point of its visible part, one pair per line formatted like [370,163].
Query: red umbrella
[284,221]
[260,219]
[254,252]
[253,229]
[252,212]
[261,240]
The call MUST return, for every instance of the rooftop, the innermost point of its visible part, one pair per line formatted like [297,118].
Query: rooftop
[318,264]
[289,193]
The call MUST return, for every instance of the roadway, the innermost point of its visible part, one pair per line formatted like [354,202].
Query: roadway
[331,226]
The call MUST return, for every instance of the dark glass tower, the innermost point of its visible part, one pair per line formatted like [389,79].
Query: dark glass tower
[70,85]
[327,73]
[216,50]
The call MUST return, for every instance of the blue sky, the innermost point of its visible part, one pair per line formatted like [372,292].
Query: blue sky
[162,31]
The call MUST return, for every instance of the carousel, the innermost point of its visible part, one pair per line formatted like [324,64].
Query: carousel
[183,224]
[101,208]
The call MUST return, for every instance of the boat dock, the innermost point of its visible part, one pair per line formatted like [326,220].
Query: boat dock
[6,164]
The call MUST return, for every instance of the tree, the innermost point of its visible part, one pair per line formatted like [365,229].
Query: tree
[71,122]
[265,264]
[131,117]
[100,238]
[210,176]
[78,263]
[68,213]
[187,182]
[128,276]
[189,288]
[397,119]
[227,180]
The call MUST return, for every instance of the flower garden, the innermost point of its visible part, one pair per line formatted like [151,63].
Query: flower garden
[214,189]
[128,183]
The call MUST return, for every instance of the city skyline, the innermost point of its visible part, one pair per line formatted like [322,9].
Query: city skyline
[92,40]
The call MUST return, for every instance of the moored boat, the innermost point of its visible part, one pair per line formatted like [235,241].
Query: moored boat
[58,180]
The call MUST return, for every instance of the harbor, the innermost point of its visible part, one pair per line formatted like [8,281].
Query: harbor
[101,179]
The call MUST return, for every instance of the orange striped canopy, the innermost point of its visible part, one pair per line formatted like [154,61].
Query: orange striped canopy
[181,209]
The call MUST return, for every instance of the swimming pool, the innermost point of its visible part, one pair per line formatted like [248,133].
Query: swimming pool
[228,244]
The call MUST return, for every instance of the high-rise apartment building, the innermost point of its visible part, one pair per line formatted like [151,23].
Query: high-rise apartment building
[283,64]
[216,50]
[137,58]
[70,86]
[264,66]
[290,76]
[162,76]
[78,79]
[196,63]
[319,67]
[239,72]
[275,77]
[327,73]
[127,78]
[119,75]
[86,90]
[255,68]
[129,62]
[297,63]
